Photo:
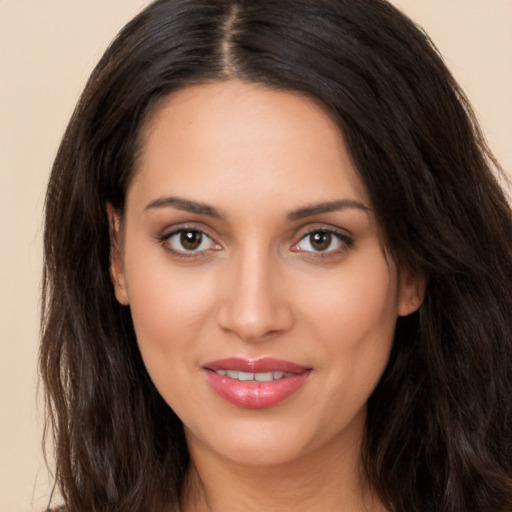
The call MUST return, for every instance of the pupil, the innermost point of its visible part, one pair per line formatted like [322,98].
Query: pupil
[321,240]
[191,239]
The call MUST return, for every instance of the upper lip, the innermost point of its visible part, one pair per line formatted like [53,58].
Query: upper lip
[263,365]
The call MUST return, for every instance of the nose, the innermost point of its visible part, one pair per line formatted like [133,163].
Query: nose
[255,304]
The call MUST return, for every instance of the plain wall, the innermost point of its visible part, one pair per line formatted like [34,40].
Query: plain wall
[47,50]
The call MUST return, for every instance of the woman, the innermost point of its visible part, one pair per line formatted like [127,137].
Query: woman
[278,270]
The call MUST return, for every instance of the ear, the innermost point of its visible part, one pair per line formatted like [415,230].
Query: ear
[116,260]
[411,291]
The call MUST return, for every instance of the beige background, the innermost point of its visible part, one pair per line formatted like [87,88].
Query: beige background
[47,50]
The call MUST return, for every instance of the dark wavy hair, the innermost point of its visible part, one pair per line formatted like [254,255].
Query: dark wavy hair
[439,428]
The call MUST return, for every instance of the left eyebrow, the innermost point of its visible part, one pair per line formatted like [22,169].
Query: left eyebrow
[326,207]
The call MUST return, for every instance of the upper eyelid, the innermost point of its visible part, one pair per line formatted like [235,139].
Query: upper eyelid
[177,231]
[335,230]
[172,230]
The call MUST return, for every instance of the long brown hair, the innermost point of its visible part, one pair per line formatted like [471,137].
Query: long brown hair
[439,431]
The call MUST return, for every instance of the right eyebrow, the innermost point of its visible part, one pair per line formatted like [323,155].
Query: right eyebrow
[185,205]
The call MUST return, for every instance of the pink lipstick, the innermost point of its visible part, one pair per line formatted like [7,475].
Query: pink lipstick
[255,384]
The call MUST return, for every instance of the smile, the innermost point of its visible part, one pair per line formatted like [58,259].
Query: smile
[251,376]
[255,384]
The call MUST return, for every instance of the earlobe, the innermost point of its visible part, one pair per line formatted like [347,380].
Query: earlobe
[411,292]
[116,261]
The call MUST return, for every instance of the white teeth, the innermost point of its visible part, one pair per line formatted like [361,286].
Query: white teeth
[250,376]
[264,377]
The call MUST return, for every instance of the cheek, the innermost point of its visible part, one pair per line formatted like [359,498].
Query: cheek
[163,295]
[356,305]
[353,317]
[170,314]
[157,302]
[170,308]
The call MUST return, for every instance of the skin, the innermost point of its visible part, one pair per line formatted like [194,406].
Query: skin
[259,287]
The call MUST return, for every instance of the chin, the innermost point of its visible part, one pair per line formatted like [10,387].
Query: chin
[264,442]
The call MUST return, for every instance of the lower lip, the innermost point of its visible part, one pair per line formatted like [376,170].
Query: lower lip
[253,394]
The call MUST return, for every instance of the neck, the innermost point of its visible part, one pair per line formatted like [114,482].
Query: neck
[327,479]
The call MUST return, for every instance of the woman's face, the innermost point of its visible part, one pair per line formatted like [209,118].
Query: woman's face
[263,301]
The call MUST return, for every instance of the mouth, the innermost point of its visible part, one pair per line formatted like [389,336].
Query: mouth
[256,377]
[255,384]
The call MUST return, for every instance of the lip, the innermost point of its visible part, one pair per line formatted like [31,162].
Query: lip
[254,394]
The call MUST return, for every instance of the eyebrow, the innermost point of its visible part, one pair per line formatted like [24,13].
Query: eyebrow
[186,205]
[326,207]
[199,208]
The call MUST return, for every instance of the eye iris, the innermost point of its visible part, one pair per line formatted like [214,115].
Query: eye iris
[191,239]
[321,240]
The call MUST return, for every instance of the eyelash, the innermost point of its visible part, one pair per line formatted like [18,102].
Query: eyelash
[164,239]
[345,241]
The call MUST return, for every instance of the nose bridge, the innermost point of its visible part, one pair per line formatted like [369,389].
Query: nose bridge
[255,304]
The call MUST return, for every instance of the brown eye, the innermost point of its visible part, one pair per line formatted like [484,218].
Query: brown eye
[191,240]
[323,241]
[320,240]
[188,242]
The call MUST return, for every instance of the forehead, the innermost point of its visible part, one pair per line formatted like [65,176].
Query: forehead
[244,139]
